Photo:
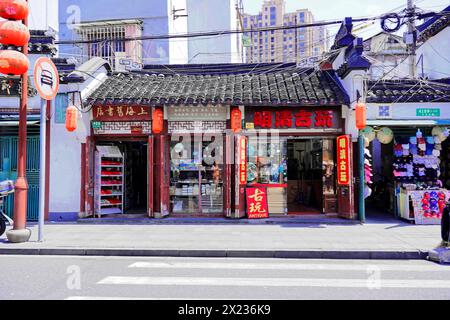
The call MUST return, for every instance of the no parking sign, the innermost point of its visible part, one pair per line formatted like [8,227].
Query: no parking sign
[46,78]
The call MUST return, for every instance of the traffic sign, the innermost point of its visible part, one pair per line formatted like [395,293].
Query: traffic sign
[46,78]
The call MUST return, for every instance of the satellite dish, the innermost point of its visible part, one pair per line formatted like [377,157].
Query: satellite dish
[385,135]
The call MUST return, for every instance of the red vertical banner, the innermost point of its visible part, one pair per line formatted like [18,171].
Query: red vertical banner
[240,176]
[257,204]
[343,160]
[242,161]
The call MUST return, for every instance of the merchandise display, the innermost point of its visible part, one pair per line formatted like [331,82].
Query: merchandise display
[109,168]
[196,184]
[368,173]
[417,172]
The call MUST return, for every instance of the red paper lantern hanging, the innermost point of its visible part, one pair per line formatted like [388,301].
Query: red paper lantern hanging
[14,33]
[13,62]
[236,120]
[158,121]
[71,118]
[14,9]
[361,116]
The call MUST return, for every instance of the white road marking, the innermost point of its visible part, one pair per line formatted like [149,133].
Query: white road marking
[270,282]
[289,266]
[81,298]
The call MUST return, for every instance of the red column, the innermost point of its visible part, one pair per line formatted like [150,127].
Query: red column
[151,170]
[21,187]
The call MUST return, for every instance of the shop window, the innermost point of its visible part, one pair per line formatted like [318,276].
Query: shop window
[196,177]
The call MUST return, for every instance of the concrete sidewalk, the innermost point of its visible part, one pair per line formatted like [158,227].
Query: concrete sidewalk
[378,239]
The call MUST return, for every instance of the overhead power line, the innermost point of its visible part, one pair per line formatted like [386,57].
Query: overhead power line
[229,32]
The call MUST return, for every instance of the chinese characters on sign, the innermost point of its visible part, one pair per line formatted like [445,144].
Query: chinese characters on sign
[122,113]
[343,157]
[242,160]
[257,205]
[293,118]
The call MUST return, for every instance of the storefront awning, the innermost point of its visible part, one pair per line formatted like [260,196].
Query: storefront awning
[402,123]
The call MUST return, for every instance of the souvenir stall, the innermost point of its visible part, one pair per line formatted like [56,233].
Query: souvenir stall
[417,172]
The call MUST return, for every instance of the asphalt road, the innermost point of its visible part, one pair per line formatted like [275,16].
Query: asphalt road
[75,278]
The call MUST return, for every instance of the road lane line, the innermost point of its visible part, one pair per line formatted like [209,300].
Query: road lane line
[288,266]
[270,282]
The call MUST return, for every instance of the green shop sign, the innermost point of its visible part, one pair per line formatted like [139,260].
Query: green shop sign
[96,125]
[428,112]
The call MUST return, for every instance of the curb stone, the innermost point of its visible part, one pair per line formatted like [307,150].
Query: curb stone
[281,254]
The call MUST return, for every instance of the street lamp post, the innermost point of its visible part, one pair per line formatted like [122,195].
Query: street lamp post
[19,233]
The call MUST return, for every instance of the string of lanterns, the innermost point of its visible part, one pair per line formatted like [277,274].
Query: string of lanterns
[13,32]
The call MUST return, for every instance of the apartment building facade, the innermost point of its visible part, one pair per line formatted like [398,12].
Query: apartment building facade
[299,45]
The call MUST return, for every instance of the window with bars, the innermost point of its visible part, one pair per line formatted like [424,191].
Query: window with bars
[109,45]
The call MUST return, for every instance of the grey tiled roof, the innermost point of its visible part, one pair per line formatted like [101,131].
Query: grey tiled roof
[281,87]
[403,91]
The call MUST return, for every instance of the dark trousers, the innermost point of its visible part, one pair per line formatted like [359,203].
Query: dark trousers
[445,224]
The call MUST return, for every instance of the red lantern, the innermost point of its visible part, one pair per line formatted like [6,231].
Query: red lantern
[13,62]
[158,121]
[14,33]
[71,118]
[14,9]
[361,116]
[236,120]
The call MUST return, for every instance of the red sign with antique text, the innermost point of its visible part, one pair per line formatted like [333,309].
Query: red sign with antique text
[343,160]
[242,160]
[294,118]
[122,113]
[257,205]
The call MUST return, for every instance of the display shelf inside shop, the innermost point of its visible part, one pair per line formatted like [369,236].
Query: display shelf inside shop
[109,181]
[417,173]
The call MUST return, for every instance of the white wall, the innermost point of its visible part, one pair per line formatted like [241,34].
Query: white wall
[43,14]
[65,153]
[436,56]
[178,48]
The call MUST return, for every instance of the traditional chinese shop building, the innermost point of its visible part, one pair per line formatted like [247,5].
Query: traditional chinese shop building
[218,141]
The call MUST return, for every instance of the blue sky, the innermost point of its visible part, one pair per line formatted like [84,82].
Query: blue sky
[338,9]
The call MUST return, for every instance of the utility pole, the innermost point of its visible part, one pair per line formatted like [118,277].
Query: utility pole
[411,38]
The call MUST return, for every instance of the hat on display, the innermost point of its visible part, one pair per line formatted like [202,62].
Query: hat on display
[438,146]
[385,135]
[369,133]
[413,140]
[437,139]
[419,134]
[430,140]
[430,148]
[436,153]
[413,149]
[367,192]
[422,146]
[367,153]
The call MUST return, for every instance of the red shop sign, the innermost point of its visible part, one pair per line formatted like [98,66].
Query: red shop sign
[298,119]
[242,160]
[122,113]
[257,205]
[343,156]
